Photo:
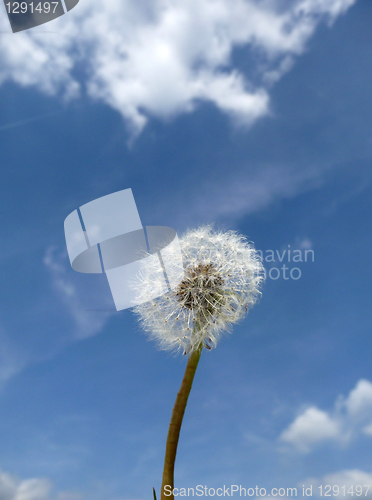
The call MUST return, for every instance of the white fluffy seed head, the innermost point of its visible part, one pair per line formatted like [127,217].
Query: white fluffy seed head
[221,279]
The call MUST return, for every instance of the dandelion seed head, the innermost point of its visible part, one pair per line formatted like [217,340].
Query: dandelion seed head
[220,281]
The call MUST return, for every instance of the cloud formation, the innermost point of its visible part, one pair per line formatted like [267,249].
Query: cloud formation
[160,58]
[14,488]
[346,480]
[239,195]
[350,418]
[27,489]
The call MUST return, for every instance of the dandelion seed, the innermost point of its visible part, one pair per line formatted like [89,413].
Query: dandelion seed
[211,293]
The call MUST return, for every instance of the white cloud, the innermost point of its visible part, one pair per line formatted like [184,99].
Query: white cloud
[311,427]
[28,489]
[14,488]
[359,401]
[349,418]
[159,58]
[346,480]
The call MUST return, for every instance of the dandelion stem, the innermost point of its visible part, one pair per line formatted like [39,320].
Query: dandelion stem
[176,422]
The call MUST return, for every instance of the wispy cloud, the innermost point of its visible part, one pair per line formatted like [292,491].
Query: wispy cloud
[26,121]
[12,359]
[12,488]
[83,307]
[349,418]
[78,297]
[230,197]
[160,58]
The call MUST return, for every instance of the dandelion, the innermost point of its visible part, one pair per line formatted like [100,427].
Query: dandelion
[218,283]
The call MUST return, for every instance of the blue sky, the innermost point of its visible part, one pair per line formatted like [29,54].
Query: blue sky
[254,117]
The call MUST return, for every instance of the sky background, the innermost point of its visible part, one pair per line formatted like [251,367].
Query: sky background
[252,115]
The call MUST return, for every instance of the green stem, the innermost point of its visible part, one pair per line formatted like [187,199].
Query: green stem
[175,424]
